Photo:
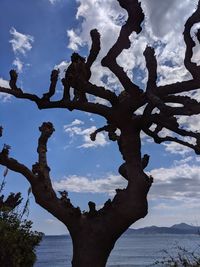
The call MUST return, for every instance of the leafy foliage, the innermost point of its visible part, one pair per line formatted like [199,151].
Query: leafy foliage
[17,240]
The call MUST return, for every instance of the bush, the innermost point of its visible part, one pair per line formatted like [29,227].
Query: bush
[17,240]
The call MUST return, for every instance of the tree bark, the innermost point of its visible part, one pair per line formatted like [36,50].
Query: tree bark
[91,249]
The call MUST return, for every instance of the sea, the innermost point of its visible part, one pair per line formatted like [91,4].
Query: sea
[140,250]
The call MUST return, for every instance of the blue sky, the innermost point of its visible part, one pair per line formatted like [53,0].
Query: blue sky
[37,36]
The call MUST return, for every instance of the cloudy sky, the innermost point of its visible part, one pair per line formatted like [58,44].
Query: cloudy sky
[37,36]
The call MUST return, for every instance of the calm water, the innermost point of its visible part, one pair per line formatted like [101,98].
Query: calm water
[129,251]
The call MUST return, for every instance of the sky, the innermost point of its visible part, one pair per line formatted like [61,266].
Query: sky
[40,35]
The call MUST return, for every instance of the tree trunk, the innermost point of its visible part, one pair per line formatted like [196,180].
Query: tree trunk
[94,239]
[91,250]
[95,233]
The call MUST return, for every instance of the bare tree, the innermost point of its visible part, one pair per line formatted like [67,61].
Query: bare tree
[94,233]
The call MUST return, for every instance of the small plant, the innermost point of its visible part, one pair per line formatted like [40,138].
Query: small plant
[181,258]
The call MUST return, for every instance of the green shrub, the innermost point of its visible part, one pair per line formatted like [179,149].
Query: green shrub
[17,240]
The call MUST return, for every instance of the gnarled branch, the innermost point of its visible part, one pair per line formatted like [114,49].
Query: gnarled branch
[135,18]
[40,181]
[95,48]
[43,103]
[159,140]
[190,44]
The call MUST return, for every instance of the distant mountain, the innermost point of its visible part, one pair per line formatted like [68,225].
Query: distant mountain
[184,226]
[181,228]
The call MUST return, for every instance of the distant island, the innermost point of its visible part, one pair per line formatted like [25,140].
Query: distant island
[181,228]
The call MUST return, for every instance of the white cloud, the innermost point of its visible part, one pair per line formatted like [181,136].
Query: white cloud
[81,184]
[107,16]
[21,43]
[101,101]
[74,40]
[84,133]
[19,64]
[53,2]
[77,122]
[175,189]
[167,12]
[191,123]
[103,15]
[3,96]
[176,148]
[183,161]
[50,221]
[170,49]
[4,83]
[179,182]
[74,122]
[100,139]
[62,66]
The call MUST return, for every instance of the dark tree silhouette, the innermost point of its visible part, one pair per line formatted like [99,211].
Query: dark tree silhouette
[94,233]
